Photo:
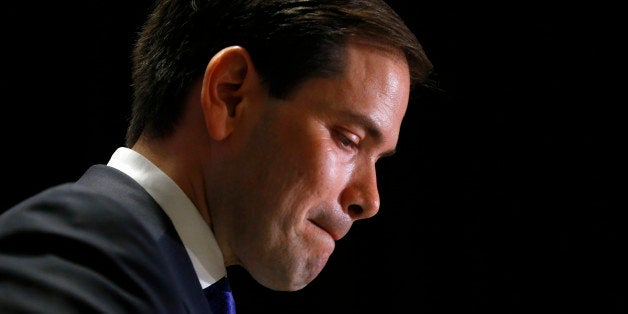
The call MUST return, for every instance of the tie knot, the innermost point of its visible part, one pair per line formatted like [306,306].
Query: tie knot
[220,297]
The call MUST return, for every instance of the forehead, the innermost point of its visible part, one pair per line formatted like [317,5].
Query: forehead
[375,82]
[371,77]
[364,60]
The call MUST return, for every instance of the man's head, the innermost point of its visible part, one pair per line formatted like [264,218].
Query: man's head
[288,40]
[283,109]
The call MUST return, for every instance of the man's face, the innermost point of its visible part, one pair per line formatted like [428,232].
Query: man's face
[306,170]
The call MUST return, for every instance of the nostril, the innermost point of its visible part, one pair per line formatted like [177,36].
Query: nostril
[355,210]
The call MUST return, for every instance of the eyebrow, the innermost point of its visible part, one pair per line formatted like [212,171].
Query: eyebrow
[371,127]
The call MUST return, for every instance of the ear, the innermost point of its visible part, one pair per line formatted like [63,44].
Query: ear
[228,78]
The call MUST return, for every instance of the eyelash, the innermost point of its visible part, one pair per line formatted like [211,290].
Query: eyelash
[345,141]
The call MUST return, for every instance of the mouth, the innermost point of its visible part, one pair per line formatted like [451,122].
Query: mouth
[331,233]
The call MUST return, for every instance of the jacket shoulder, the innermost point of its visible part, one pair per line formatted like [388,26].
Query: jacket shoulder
[88,246]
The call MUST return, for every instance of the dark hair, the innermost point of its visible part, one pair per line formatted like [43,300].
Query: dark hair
[289,41]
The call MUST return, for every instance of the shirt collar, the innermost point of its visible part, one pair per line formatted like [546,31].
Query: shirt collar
[197,237]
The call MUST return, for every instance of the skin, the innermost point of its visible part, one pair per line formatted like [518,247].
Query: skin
[281,180]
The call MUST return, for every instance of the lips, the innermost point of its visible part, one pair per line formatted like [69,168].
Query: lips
[336,229]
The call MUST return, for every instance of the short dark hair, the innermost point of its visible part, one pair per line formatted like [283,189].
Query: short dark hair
[289,41]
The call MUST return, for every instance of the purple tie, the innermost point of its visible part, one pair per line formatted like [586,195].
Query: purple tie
[220,297]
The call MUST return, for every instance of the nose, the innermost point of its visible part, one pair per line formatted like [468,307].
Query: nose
[361,198]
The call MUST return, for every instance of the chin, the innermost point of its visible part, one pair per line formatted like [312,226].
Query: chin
[301,275]
[285,284]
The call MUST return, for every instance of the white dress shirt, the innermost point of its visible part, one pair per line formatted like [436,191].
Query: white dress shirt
[196,235]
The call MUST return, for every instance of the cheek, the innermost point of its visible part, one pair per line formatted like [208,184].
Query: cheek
[325,166]
[307,164]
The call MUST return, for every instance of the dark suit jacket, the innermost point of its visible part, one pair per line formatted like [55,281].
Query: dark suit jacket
[99,245]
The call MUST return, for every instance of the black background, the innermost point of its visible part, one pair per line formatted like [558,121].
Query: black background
[501,197]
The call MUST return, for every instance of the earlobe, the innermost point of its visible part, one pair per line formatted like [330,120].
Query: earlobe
[225,84]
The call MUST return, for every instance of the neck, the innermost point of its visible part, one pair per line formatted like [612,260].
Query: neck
[179,157]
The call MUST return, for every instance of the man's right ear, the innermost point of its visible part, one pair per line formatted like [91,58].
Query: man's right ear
[228,78]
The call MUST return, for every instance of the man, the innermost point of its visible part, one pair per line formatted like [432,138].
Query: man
[255,130]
